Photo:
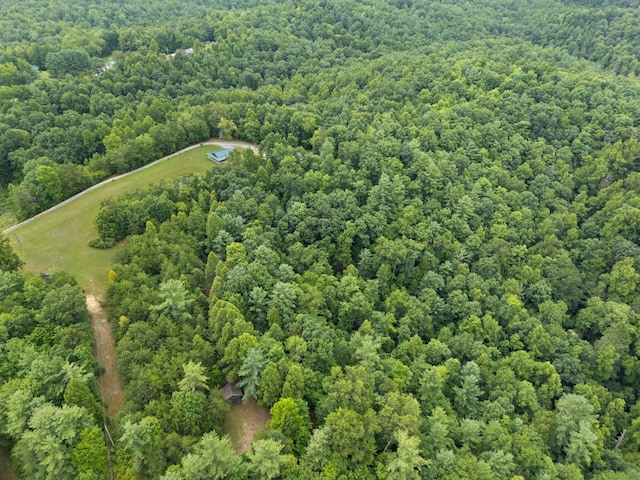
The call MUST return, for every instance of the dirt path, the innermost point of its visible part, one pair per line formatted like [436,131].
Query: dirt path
[110,383]
[6,470]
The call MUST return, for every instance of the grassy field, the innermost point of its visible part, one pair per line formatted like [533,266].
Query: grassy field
[59,240]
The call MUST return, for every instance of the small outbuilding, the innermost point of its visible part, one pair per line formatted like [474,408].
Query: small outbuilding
[232,393]
[219,156]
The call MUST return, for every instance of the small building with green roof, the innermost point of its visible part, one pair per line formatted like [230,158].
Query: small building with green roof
[219,156]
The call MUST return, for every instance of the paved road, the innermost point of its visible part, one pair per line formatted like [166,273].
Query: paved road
[220,143]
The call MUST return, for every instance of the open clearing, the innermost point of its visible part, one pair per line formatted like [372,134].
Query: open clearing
[58,240]
[242,423]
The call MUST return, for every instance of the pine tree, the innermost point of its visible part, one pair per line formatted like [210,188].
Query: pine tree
[406,462]
[250,372]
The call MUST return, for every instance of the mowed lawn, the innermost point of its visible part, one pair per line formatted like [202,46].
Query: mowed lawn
[59,240]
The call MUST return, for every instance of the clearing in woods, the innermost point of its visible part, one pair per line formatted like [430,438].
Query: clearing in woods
[58,238]
[242,423]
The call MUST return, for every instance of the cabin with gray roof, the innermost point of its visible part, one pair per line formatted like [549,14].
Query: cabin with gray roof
[232,393]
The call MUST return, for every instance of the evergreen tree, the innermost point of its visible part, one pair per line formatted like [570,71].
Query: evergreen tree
[250,372]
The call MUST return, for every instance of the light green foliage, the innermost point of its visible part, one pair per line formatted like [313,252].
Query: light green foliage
[235,255]
[194,378]
[351,388]
[406,462]
[45,450]
[352,435]
[213,458]
[581,445]
[398,412]
[501,463]
[283,300]
[250,372]
[17,407]
[226,322]
[439,427]
[141,440]
[431,389]
[227,128]
[623,280]
[291,417]
[318,451]
[90,455]
[576,429]
[235,354]
[265,460]
[467,395]
[174,301]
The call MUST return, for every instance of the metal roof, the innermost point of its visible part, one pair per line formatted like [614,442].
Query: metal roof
[219,155]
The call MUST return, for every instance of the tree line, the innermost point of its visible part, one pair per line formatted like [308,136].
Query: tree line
[64,126]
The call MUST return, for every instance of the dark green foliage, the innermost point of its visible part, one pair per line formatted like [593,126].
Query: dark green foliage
[430,270]
[67,62]
[46,367]
[129,215]
[466,336]
[64,306]
[127,116]
[78,393]
[9,260]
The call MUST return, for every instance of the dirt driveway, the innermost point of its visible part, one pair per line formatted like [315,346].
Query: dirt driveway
[110,383]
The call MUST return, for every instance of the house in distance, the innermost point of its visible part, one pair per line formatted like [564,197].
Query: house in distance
[219,156]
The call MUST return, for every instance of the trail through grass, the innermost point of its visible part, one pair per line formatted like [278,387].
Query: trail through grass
[59,239]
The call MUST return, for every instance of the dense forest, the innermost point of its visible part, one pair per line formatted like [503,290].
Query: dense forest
[429,271]
[51,413]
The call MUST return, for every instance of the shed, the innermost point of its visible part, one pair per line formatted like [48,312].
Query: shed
[219,156]
[232,393]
